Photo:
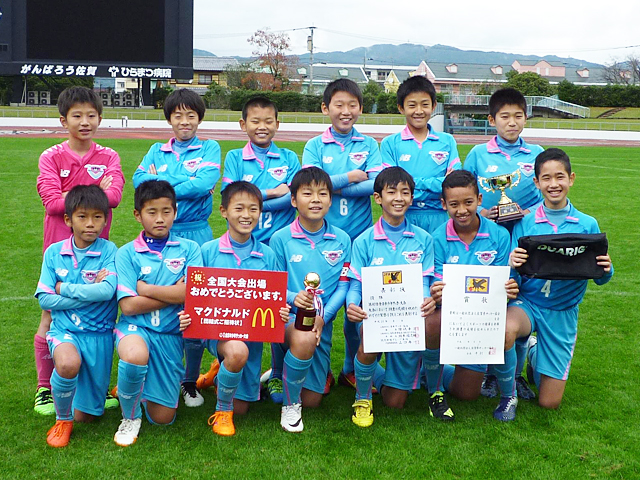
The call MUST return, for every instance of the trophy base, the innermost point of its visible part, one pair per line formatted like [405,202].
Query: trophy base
[509,212]
[305,320]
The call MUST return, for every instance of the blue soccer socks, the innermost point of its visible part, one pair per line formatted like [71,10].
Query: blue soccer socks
[431,362]
[505,373]
[227,385]
[130,383]
[63,390]
[293,376]
[193,350]
[364,378]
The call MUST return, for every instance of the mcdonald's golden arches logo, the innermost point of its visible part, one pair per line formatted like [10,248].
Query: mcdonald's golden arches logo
[264,315]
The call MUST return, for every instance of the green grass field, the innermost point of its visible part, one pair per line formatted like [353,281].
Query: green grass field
[594,434]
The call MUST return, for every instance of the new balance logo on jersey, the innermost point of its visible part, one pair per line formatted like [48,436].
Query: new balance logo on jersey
[486,258]
[332,257]
[62,272]
[279,173]
[439,157]
[95,171]
[295,258]
[377,261]
[413,257]
[67,336]
[64,173]
[247,178]
[192,165]
[358,157]
[174,264]
[527,169]
[491,169]
[568,251]
[404,158]
[453,259]
[145,270]
[89,276]
[162,168]
[327,159]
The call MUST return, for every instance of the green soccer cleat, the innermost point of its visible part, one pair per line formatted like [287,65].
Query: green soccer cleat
[44,402]
[438,408]
[110,402]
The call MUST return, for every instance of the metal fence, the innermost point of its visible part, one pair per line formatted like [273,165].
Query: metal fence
[532,101]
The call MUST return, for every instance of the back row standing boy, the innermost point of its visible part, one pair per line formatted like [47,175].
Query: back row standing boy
[77,161]
[192,167]
[506,153]
[352,161]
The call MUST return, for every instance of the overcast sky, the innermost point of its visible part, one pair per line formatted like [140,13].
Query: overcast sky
[592,31]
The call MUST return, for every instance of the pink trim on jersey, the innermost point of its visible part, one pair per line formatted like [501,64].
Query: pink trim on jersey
[438,276]
[566,372]
[450,167]
[541,217]
[327,136]
[119,334]
[297,232]
[257,254]
[428,271]
[572,219]
[378,233]
[124,289]
[355,272]
[249,154]
[492,147]
[357,138]
[225,246]
[67,249]
[53,340]
[226,180]
[46,288]
[208,164]
[407,134]
[376,169]
[452,235]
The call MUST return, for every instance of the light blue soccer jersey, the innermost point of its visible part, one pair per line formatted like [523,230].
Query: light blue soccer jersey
[279,167]
[489,160]
[219,253]
[349,213]
[83,305]
[193,175]
[555,294]
[427,162]
[298,255]
[135,261]
[491,246]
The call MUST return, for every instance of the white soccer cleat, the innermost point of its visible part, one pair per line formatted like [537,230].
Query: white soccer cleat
[127,433]
[191,395]
[291,418]
[264,378]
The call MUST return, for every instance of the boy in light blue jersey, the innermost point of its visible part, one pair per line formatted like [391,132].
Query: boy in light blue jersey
[265,165]
[391,241]
[309,244]
[428,156]
[77,284]
[352,161]
[550,307]
[192,167]
[151,290]
[238,377]
[507,153]
[466,239]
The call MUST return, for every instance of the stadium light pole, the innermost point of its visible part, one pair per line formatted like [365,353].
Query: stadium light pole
[310,49]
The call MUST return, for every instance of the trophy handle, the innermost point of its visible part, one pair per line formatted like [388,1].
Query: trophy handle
[485,185]
[515,182]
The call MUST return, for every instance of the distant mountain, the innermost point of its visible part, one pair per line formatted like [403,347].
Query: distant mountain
[202,53]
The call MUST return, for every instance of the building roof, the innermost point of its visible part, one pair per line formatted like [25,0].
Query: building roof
[213,63]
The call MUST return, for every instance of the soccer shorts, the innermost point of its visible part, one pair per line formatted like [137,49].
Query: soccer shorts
[428,219]
[557,331]
[165,369]
[199,232]
[96,354]
[249,387]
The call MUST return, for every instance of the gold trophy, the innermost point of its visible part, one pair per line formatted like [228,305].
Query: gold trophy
[508,210]
[306,319]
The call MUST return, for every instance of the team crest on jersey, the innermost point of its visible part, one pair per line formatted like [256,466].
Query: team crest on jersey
[247,178]
[95,171]
[64,173]
[332,257]
[146,270]
[327,159]
[486,258]
[89,276]
[358,157]
[413,257]
[162,168]
[439,157]
[279,173]
[62,272]
[174,264]
[404,158]
[192,165]
[527,168]
[491,169]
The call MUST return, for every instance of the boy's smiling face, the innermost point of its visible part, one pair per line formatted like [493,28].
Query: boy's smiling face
[461,204]
[417,109]
[312,202]
[509,122]
[344,110]
[261,125]
[184,123]
[554,182]
[395,201]
[242,215]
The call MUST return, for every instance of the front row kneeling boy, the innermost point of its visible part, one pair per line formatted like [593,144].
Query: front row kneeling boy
[78,284]
[151,290]
[392,240]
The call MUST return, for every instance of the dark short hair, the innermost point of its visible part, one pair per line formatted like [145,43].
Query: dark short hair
[184,98]
[506,96]
[550,154]
[392,177]
[259,101]
[86,196]
[341,85]
[152,190]
[417,83]
[74,95]
[460,178]
[310,176]
[238,188]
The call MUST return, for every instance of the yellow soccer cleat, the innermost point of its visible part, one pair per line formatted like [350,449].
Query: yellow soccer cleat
[363,413]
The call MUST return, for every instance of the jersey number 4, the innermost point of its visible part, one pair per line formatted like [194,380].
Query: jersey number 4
[546,288]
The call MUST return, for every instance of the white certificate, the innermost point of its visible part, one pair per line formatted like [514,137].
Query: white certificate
[474,311]
[391,296]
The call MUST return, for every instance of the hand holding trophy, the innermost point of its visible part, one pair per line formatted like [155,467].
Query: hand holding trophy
[508,210]
[306,318]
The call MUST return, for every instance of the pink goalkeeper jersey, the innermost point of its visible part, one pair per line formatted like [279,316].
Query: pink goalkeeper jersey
[61,169]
